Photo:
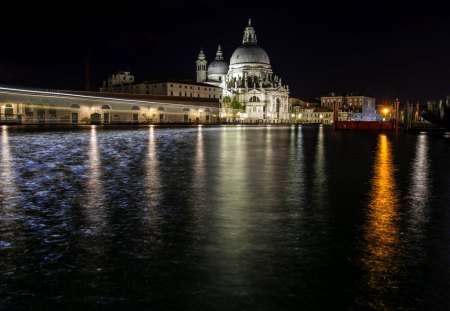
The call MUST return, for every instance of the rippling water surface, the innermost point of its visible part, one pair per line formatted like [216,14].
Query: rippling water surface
[224,218]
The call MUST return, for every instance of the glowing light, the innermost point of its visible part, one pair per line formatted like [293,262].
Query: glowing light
[382,231]
[385,110]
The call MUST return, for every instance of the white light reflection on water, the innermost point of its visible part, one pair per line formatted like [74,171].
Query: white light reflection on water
[8,195]
[7,185]
[152,177]
[199,171]
[95,198]
[230,218]
[420,192]
[296,174]
[320,190]
[381,233]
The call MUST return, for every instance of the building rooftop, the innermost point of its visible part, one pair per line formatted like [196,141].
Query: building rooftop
[208,102]
[179,82]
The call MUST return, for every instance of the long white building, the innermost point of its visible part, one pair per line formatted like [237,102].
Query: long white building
[32,106]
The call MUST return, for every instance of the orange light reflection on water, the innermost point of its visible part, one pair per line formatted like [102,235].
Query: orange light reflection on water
[382,231]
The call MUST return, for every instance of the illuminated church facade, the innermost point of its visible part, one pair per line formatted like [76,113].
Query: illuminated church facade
[248,82]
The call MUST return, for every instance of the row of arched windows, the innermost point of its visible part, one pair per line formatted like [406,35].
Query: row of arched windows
[160,108]
[9,108]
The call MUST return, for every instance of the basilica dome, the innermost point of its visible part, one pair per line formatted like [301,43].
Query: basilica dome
[218,67]
[249,53]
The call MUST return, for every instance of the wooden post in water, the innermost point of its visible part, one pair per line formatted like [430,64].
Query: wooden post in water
[397,114]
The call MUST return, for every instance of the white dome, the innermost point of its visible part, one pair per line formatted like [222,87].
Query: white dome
[249,53]
[218,67]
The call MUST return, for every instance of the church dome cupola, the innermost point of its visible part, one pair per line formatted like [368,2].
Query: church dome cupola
[249,34]
[219,65]
[249,51]
[219,54]
[201,55]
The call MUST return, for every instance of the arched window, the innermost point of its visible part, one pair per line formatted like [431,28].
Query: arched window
[29,112]
[254,99]
[51,111]
[9,111]
[106,107]
[135,108]
[75,106]
[160,108]
[207,110]
[186,109]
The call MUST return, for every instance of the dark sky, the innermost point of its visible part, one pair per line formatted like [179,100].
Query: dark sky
[383,48]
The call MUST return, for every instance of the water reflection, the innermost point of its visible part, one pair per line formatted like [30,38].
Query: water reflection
[7,187]
[420,192]
[8,195]
[199,171]
[95,199]
[296,182]
[320,173]
[152,174]
[263,239]
[382,232]
[230,239]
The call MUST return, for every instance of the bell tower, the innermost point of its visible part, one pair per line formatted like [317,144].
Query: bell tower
[201,67]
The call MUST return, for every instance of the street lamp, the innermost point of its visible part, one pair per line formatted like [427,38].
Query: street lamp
[385,111]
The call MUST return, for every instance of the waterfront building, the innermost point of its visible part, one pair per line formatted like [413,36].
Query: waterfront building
[304,103]
[178,88]
[333,99]
[251,92]
[317,115]
[37,106]
[352,107]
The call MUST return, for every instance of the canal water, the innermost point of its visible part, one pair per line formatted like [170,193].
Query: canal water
[224,218]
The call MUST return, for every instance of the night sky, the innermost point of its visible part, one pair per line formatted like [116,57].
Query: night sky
[385,49]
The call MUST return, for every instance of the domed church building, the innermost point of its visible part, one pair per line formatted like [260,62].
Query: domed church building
[248,82]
